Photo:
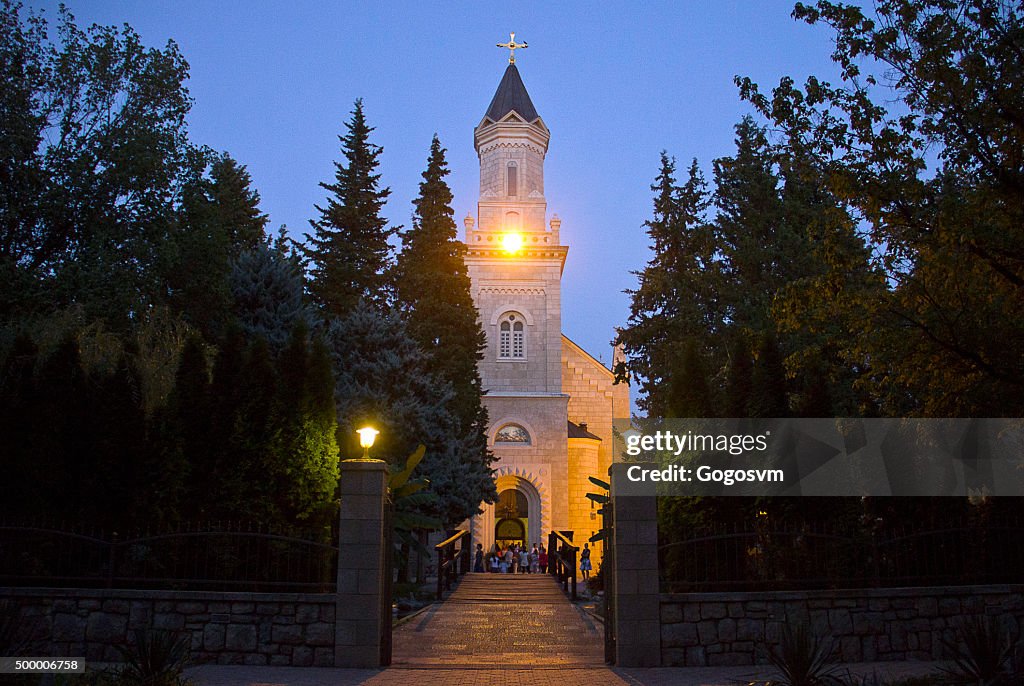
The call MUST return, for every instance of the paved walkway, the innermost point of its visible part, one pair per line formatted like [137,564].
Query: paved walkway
[501,620]
[504,629]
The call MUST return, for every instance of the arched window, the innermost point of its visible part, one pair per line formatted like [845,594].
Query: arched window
[511,172]
[512,433]
[512,337]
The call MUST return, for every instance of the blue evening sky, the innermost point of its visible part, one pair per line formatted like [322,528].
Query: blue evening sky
[616,83]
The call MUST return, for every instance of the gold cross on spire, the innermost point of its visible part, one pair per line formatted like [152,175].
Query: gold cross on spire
[512,45]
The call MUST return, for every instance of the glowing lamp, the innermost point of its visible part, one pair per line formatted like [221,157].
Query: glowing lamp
[366,437]
[511,242]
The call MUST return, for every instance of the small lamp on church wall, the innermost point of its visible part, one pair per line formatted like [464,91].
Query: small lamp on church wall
[367,435]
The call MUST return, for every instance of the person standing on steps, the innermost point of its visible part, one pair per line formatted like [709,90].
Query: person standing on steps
[585,561]
[542,560]
[478,563]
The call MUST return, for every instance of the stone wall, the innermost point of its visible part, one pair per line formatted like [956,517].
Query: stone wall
[225,628]
[867,624]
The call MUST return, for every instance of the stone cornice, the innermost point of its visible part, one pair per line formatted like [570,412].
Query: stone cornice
[512,290]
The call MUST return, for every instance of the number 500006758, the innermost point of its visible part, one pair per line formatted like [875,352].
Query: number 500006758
[42,665]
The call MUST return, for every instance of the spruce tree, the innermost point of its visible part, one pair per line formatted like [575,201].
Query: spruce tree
[739,381]
[268,300]
[382,379]
[677,296]
[220,219]
[348,250]
[768,398]
[236,204]
[758,255]
[433,289]
[689,393]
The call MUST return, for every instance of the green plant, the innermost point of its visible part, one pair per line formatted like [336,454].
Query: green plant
[410,500]
[92,677]
[155,658]
[19,636]
[804,659]
[989,656]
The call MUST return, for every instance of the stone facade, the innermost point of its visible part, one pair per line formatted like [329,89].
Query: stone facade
[225,628]
[548,381]
[868,625]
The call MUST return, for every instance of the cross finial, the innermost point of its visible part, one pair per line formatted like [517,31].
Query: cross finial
[512,45]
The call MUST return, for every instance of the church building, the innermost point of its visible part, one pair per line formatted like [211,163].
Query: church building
[550,402]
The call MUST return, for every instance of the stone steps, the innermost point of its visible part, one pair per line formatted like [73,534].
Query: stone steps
[501,619]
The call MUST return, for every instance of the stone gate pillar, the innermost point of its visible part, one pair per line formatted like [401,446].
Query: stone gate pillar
[363,593]
[635,589]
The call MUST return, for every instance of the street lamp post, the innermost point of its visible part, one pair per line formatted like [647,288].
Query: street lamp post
[366,437]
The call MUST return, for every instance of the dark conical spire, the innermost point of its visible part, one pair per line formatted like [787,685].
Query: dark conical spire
[511,95]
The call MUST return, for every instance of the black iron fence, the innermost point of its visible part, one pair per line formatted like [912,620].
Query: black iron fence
[212,556]
[778,557]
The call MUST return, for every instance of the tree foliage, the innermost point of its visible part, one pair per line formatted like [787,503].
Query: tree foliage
[719,323]
[94,151]
[922,141]
[433,294]
[348,250]
[382,380]
[219,220]
[267,293]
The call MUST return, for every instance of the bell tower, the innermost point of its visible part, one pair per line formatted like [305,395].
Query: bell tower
[511,142]
[514,259]
[513,256]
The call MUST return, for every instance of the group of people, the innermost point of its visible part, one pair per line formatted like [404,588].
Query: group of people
[516,559]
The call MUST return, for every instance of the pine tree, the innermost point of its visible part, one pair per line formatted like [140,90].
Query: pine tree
[348,249]
[433,289]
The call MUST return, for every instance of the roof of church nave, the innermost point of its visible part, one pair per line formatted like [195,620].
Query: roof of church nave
[580,431]
[511,95]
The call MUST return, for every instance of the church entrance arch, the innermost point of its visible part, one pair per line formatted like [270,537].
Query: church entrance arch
[519,501]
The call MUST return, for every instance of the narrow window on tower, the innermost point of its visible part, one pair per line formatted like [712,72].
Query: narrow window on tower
[517,339]
[505,340]
[513,181]
[512,337]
